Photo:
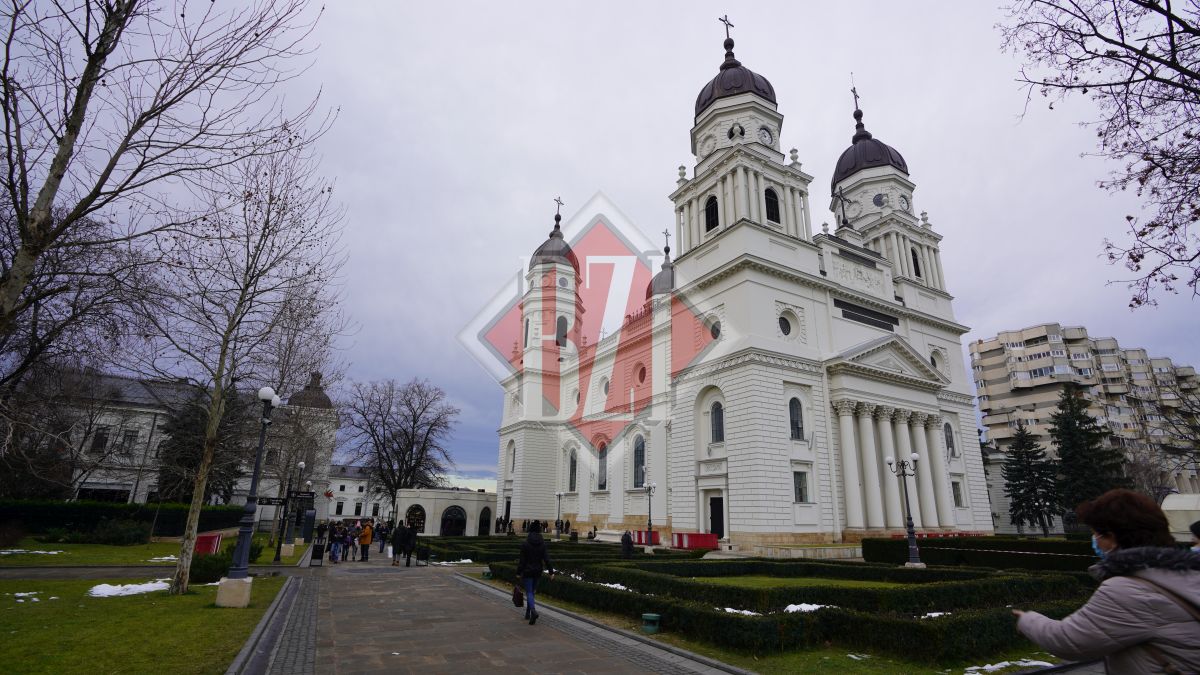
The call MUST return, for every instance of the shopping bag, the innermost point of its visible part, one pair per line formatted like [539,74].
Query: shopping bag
[389,550]
[518,597]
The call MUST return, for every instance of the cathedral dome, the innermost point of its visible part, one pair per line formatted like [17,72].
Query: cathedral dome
[312,395]
[555,249]
[733,79]
[664,281]
[865,152]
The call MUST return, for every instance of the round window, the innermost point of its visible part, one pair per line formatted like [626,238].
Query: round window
[879,200]
[785,326]
[604,387]
[715,329]
[641,374]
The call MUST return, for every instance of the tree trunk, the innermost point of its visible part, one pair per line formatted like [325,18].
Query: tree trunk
[179,585]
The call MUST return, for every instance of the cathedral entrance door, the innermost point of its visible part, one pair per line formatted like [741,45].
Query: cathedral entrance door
[716,516]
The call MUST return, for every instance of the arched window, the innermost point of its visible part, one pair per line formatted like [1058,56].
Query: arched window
[573,469]
[772,200]
[639,462]
[916,262]
[560,332]
[717,422]
[602,474]
[512,456]
[526,333]
[710,214]
[934,361]
[796,419]
[454,522]
[949,431]
[485,522]
[416,517]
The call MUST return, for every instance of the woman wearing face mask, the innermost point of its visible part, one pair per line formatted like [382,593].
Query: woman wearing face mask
[1145,617]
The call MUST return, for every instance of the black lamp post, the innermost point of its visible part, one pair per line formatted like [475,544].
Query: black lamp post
[906,469]
[287,504]
[241,554]
[558,520]
[650,512]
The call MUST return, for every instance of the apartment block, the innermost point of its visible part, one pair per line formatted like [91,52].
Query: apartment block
[1019,375]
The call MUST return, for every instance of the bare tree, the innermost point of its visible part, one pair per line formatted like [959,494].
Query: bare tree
[1178,419]
[399,432]
[108,106]
[272,232]
[1138,62]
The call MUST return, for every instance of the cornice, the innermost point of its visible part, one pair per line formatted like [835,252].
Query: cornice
[955,397]
[873,373]
[749,355]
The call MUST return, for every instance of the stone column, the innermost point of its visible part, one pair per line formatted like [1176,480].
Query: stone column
[937,262]
[920,489]
[727,199]
[870,462]
[684,234]
[893,514]
[905,264]
[697,221]
[941,481]
[761,185]
[851,487]
[739,192]
[933,273]
[802,216]
[904,450]
[791,224]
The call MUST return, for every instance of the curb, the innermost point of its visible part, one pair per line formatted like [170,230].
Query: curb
[698,658]
[255,656]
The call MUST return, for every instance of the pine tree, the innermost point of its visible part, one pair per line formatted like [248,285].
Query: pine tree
[1030,482]
[1086,469]
[179,454]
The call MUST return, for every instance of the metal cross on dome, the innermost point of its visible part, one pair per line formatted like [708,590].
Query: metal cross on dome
[559,202]
[667,234]
[728,25]
[854,90]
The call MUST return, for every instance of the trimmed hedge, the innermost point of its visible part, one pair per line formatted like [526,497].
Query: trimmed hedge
[1037,554]
[809,568]
[38,516]
[206,569]
[111,532]
[962,635]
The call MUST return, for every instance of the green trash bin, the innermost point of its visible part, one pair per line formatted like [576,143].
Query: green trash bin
[650,623]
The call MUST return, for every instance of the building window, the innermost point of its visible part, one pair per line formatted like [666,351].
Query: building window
[717,422]
[338,509]
[416,517]
[602,474]
[128,440]
[374,510]
[949,431]
[341,488]
[560,333]
[526,333]
[800,483]
[710,214]
[956,487]
[714,329]
[772,201]
[641,375]
[358,508]
[361,488]
[604,386]
[796,419]
[574,470]
[100,439]
[639,462]
[916,262]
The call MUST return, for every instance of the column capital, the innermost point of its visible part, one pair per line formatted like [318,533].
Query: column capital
[844,406]
[867,409]
[901,415]
[933,421]
[884,412]
[917,418]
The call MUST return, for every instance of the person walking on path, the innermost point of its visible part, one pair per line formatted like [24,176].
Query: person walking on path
[364,541]
[627,545]
[1145,616]
[335,544]
[399,536]
[534,558]
[410,543]
[382,535]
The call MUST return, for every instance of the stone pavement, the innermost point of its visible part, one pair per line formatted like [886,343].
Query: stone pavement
[375,618]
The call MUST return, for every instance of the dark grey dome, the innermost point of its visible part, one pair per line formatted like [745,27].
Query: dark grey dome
[555,249]
[312,395]
[664,281]
[733,79]
[865,152]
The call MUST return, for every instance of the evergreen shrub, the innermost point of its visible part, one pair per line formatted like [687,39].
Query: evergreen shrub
[998,552]
[206,569]
[39,516]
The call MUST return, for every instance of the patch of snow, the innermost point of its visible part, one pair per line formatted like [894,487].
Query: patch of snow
[933,615]
[54,597]
[859,657]
[619,587]
[464,561]
[165,558]
[803,607]
[993,667]
[16,551]
[26,595]
[740,611]
[114,590]
[576,577]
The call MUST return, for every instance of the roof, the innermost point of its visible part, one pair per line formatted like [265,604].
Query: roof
[312,395]
[733,79]
[555,249]
[865,152]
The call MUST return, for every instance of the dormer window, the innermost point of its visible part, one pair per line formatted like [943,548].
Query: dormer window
[710,214]
[772,201]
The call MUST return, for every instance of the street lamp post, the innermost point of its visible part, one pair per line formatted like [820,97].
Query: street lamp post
[650,512]
[907,469]
[241,554]
[558,520]
[287,497]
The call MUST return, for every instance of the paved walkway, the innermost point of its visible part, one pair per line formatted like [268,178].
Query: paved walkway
[374,618]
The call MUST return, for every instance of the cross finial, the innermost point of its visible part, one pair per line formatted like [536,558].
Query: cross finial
[854,90]
[728,25]
[559,202]
[667,234]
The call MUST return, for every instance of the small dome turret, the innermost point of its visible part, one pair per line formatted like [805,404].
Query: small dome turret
[733,79]
[312,395]
[664,281]
[555,249]
[865,152]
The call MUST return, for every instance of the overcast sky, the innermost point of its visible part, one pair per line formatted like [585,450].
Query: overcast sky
[460,122]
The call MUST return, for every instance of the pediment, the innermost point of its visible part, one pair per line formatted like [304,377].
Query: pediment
[889,357]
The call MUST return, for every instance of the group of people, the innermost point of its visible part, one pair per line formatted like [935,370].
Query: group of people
[351,541]
[526,526]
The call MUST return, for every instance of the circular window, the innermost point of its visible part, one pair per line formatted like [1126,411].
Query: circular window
[641,374]
[715,329]
[604,387]
[562,282]
[785,326]
[879,200]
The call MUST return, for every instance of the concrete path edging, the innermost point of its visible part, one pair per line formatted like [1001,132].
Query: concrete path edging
[711,663]
[255,656]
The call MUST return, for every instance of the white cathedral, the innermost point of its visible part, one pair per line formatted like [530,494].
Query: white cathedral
[818,356]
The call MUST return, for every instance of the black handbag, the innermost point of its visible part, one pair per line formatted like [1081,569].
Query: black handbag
[518,597]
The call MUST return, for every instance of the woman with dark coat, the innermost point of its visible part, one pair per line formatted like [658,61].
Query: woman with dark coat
[1143,617]
[627,545]
[534,558]
[410,543]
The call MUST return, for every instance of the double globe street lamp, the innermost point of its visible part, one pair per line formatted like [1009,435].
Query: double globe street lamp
[287,507]
[241,554]
[558,520]
[905,469]
[650,487]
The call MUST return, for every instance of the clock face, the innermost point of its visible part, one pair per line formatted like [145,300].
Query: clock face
[904,203]
[764,136]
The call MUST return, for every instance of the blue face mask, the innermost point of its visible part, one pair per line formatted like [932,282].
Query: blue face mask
[1096,547]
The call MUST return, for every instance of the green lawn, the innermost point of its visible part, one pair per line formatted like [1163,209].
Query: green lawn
[88,554]
[825,661]
[761,581]
[80,634]
[268,553]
